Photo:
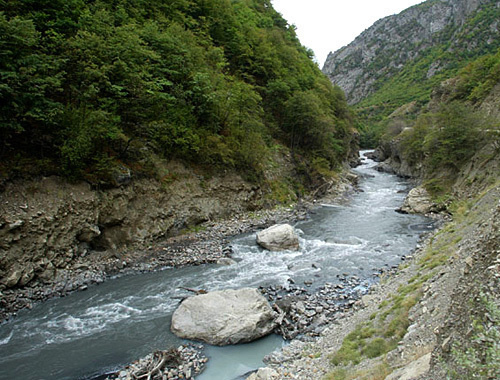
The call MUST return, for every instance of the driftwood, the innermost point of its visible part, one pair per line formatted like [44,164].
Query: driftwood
[158,362]
[196,291]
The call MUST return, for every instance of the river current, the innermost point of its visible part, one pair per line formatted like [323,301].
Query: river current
[102,329]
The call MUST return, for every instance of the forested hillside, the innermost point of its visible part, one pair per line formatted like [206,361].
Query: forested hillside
[88,87]
[460,122]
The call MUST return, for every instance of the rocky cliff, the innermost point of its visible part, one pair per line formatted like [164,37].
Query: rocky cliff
[384,49]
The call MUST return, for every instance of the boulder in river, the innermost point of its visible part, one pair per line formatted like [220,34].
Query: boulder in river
[224,317]
[279,237]
[418,201]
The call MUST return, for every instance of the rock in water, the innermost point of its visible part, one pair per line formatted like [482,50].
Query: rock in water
[278,238]
[418,201]
[224,317]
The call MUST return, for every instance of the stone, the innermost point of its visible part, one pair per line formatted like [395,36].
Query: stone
[13,278]
[224,317]
[226,261]
[28,275]
[89,233]
[121,175]
[15,225]
[418,201]
[279,237]
[264,374]
[413,370]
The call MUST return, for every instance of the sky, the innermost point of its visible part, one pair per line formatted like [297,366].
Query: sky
[328,25]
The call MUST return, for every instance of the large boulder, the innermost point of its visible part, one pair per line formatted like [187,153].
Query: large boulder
[224,317]
[279,237]
[418,201]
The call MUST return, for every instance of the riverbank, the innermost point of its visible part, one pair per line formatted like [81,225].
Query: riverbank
[206,243]
[303,310]
[435,318]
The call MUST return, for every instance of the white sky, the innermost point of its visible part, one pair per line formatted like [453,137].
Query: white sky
[327,25]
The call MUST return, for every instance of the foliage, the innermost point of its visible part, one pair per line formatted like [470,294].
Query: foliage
[476,80]
[207,81]
[451,51]
[444,139]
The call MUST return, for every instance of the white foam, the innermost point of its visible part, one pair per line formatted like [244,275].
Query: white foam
[331,206]
[7,340]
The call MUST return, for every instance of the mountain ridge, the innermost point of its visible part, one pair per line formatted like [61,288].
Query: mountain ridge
[390,44]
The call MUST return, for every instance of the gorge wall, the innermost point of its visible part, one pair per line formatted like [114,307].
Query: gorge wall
[46,224]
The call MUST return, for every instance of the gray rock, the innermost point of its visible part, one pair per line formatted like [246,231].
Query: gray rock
[412,370]
[224,317]
[279,237]
[13,278]
[418,201]
[264,374]
[15,225]
[226,261]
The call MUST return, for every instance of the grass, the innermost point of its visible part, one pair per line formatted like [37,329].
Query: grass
[378,372]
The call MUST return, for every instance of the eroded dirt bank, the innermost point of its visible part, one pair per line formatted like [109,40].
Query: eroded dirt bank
[56,237]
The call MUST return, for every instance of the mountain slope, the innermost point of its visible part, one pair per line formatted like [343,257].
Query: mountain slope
[91,87]
[400,58]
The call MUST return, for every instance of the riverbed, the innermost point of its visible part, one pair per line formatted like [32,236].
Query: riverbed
[106,327]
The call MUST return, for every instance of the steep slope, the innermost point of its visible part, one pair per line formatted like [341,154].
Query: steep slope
[459,123]
[90,89]
[401,57]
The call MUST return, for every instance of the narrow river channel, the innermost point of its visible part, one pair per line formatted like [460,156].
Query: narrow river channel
[90,333]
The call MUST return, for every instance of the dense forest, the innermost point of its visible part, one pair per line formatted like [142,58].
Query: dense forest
[90,86]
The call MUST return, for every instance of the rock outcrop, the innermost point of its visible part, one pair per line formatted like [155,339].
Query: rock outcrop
[382,50]
[224,317]
[46,224]
[279,237]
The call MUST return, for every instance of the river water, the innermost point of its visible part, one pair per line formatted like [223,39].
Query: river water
[93,332]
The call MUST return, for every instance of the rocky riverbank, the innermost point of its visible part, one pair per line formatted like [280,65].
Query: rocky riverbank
[436,318]
[206,243]
[183,362]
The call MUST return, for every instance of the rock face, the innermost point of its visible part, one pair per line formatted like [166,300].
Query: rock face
[279,237]
[224,317]
[382,50]
[418,201]
[50,222]
[413,370]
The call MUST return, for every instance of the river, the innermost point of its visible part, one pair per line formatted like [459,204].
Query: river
[90,333]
